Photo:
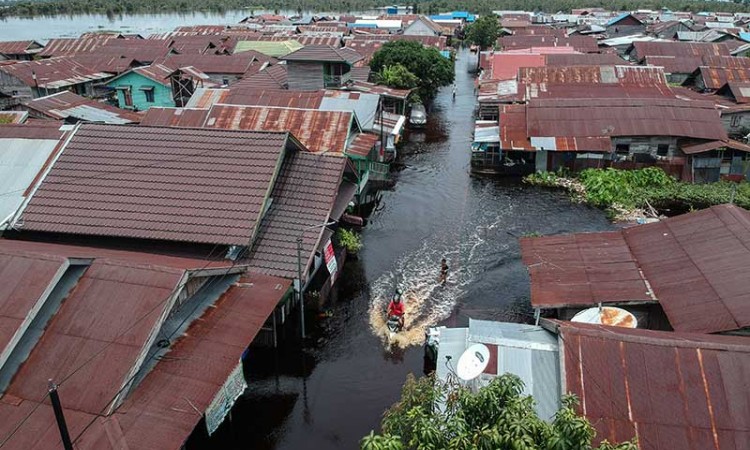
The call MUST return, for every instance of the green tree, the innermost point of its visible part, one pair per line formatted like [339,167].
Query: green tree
[431,68]
[484,32]
[397,76]
[498,416]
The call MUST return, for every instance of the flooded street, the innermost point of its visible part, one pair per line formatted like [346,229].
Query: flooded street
[334,393]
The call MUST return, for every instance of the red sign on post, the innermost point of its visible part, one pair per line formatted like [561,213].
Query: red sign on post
[330,258]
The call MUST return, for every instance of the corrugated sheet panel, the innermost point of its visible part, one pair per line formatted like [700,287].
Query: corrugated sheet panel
[679,49]
[505,66]
[365,106]
[583,269]
[716,77]
[15,47]
[318,131]
[324,53]
[161,412]
[175,117]
[21,161]
[697,266]
[53,73]
[303,196]
[362,144]
[236,64]
[279,98]
[626,117]
[174,184]
[584,44]
[206,97]
[67,104]
[673,391]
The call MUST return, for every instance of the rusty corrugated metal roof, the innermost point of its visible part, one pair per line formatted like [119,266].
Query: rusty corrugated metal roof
[695,265]
[17,47]
[175,117]
[65,104]
[732,62]
[624,117]
[584,44]
[675,64]
[625,75]
[103,63]
[272,77]
[236,64]
[740,91]
[672,391]
[295,208]
[319,131]
[93,341]
[583,269]
[155,72]
[584,59]
[174,184]
[41,129]
[279,98]
[679,49]
[716,77]
[53,73]
[67,46]
[204,98]
[362,144]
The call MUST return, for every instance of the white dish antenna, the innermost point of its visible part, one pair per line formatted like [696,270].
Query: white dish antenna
[607,315]
[473,362]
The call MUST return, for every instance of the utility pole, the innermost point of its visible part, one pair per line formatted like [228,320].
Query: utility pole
[299,272]
[59,416]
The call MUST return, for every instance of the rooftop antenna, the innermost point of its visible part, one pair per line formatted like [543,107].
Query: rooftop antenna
[472,362]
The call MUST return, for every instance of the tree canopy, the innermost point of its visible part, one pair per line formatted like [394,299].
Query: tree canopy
[397,76]
[431,69]
[497,417]
[484,32]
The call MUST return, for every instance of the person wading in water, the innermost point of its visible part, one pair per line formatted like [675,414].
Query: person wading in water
[443,271]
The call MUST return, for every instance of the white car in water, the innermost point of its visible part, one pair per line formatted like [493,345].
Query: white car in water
[418,116]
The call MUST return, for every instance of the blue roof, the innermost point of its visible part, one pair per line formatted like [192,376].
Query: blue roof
[361,25]
[460,14]
[617,19]
[446,53]
[745,36]
[442,17]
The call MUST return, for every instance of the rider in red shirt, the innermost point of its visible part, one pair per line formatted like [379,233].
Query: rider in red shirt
[396,308]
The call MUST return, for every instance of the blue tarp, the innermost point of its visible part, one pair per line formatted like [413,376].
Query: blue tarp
[361,25]
[617,19]
[446,53]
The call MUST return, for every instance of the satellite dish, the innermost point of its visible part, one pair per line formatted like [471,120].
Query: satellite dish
[607,315]
[473,362]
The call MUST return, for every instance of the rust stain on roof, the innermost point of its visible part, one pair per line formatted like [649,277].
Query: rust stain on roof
[671,390]
[319,131]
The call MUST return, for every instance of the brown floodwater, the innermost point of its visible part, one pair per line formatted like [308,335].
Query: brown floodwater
[331,393]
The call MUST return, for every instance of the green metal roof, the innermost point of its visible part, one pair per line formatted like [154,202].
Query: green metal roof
[275,49]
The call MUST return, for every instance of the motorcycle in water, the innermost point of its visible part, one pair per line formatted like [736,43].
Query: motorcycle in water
[395,321]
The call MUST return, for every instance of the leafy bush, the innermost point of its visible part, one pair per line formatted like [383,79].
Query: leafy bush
[607,187]
[498,416]
[349,240]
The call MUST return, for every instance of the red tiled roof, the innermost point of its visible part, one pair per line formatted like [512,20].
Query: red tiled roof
[694,263]
[673,391]
[175,184]
[303,196]
[324,53]
[272,77]
[624,117]
[319,131]
[67,104]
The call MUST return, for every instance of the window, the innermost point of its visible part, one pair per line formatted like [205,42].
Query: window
[662,149]
[736,120]
[149,95]
[128,96]
[622,149]
[225,81]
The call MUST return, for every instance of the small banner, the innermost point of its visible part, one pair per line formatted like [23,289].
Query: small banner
[330,258]
[220,406]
